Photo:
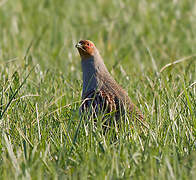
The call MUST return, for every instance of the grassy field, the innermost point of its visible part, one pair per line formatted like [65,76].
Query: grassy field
[41,134]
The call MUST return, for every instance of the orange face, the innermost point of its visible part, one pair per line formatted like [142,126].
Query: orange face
[85,48]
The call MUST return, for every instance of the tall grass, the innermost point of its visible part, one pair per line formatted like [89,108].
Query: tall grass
[42,135]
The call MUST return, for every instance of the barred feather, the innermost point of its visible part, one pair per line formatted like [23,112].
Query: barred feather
[101,93]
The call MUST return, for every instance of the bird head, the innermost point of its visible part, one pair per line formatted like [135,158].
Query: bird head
[85,48]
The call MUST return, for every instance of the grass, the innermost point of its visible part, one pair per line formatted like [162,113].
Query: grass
[143,44]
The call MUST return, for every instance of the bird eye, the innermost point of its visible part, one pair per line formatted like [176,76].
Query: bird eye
[88,44]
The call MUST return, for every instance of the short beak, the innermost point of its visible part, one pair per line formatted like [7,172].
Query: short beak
[78,45]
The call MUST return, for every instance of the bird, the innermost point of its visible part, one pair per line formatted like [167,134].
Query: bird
[101,94]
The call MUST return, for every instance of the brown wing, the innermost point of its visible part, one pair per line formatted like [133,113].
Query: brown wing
[98,102]
[105,102]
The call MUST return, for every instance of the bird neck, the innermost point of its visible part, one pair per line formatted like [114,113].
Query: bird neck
[92,69]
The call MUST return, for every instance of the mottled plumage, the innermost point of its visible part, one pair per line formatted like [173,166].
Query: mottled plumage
[101,94]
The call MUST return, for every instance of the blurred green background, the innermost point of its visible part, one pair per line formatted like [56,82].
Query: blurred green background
[118,28]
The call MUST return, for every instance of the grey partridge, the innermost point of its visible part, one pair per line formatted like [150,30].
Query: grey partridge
[101,93]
